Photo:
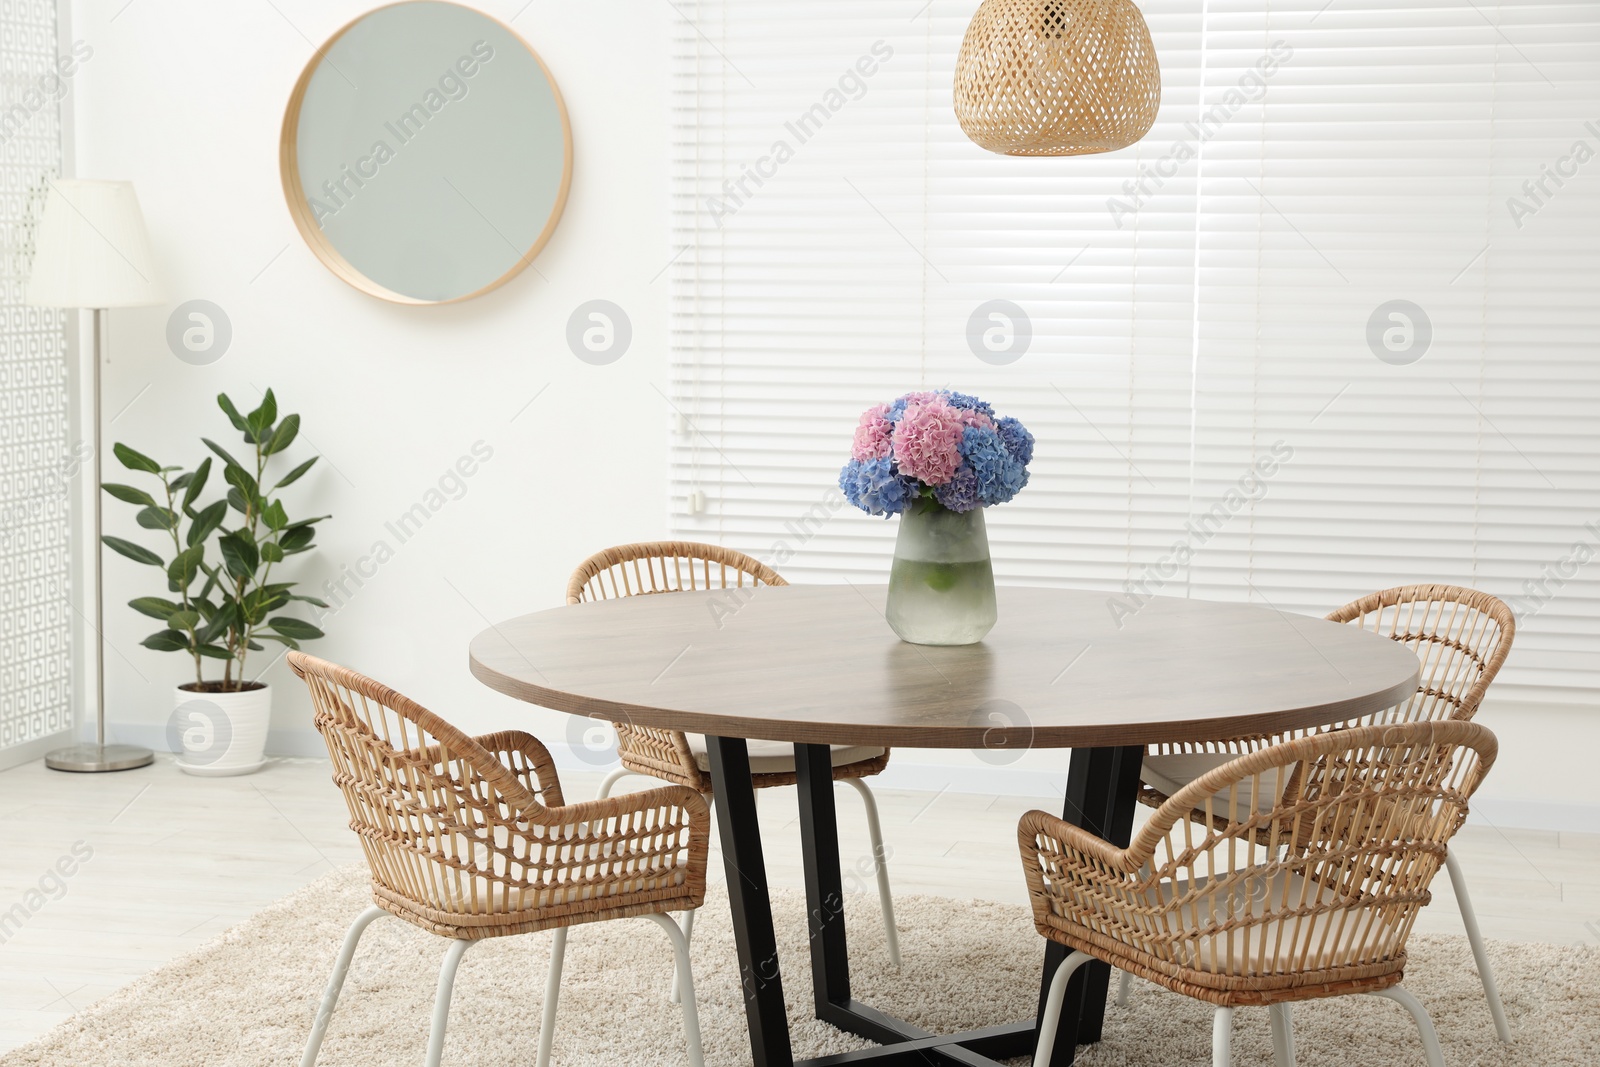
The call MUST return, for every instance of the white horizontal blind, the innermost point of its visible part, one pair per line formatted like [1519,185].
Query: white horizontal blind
[1211,419]
[850,275]
[1383,165]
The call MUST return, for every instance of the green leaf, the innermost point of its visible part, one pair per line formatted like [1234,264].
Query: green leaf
[292,541]
[289,626]
[128,494]
[215,627]
[274,517]
[271,553]
[241,480]
[184,620]
[291,642]
[206,521]
[211,651]
[309,600]
[185,566]
[240,554]
[238,502]
[166,641]
[137,553]
[238,420]
[154,607]
[221,452]
[294,475]
[284,435]
[197,483]
[135,461]
[264,416]
[158,518]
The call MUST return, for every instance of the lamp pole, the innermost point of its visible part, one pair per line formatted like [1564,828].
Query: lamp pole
[87,758]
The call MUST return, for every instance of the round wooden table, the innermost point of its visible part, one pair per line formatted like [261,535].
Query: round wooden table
[818,665]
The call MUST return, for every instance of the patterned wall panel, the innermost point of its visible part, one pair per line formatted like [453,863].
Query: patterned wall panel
[38,461]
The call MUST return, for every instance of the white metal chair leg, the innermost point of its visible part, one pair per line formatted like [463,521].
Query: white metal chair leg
[441,1000]
[1430,1037]
[1469,919]
[1051,1020]
[688,936]
[691,1014]
[552,994]
[885,900]
[1222,1038]
[1124,987]
[1282,1035]
[330,995]
[610,780]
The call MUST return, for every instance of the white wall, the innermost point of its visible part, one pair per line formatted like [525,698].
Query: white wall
[185,98]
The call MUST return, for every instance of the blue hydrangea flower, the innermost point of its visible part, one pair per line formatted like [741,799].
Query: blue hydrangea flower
[875,486]
[961,492]
[1000,475]
[967,402]
[1018,441]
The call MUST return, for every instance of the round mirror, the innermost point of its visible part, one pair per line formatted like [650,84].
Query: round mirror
[426,153]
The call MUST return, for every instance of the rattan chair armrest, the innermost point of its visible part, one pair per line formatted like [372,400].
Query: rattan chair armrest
[669,796]
[1074,839]
[536,769]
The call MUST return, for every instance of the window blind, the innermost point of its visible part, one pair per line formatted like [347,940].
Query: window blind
[1327,328]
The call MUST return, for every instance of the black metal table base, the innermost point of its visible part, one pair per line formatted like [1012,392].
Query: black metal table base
[1102,787]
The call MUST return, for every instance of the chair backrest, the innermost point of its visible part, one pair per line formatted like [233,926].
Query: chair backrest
[1461,636]
[434,809]
[665,567]
[1316,854]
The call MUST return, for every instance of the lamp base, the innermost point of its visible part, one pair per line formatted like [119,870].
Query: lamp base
[91,759]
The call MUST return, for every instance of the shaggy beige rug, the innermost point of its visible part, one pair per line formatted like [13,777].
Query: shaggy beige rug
[247,999]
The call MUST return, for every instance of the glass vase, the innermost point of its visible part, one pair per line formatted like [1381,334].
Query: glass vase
[941,587]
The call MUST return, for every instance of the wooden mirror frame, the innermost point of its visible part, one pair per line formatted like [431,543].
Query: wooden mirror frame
[294,192]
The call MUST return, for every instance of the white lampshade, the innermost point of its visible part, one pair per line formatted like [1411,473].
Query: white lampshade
[91,249]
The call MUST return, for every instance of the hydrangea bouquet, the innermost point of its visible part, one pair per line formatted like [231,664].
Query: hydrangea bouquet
[945,446]
[937,459]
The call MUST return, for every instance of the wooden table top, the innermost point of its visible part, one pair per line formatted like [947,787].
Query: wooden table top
[818,664]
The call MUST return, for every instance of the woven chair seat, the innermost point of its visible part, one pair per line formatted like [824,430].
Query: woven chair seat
[1326,938]
[777,757]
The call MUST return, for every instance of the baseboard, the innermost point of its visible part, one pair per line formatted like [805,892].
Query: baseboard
[279,742]
[28,751]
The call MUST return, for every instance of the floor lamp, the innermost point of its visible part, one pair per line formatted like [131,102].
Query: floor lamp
[91,251]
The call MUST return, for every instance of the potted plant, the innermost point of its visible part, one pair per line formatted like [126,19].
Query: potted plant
[222,600]
[937,459]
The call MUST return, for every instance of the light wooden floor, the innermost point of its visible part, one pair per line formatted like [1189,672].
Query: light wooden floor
[176,860]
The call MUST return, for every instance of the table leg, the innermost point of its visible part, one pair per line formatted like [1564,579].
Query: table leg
[749,902]
[1102,790]
[830,957]
[819,847]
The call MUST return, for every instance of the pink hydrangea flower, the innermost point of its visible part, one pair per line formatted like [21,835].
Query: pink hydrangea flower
[975,418]
[927,440]
[872,434]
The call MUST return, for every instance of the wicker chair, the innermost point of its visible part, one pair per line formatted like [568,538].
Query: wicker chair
[1462,637]
[678,566]
[1356,822]
[469,838]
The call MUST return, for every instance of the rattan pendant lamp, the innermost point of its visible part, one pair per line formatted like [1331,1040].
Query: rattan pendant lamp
[1056,77]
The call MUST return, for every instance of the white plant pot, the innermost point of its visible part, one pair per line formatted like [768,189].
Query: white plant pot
[220,734]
